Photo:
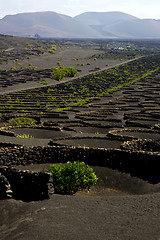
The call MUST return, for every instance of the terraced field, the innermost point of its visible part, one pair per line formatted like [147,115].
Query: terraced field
[84,111]
[77,92]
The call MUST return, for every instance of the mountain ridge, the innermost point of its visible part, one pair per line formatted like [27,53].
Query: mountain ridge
[121,25]
[45,24]
[50,24]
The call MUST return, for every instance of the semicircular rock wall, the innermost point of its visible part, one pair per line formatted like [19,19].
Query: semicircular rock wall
[34,186]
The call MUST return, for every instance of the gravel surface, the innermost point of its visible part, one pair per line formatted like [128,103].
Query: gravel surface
[135,217]
[114,209]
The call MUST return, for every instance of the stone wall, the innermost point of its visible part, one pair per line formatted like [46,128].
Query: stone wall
[24,185]
[126,161]
[27,185]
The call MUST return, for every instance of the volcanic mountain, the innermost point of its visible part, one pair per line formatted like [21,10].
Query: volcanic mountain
[120,25]
[45,24]
[85,25]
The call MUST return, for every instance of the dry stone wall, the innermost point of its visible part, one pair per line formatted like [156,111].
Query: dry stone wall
[24,185]
[127,161]
[27,185]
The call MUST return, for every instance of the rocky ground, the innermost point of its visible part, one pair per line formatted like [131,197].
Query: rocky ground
[83,217]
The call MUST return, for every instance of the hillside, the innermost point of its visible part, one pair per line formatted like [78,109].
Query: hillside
[120,25]
[85,25]
[45,24]
[103,18]
[146,28]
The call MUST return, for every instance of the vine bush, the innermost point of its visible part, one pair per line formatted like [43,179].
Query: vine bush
[21,121]
[72,177]
[60,74]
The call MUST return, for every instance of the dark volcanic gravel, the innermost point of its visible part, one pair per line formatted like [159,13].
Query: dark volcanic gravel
[69,217]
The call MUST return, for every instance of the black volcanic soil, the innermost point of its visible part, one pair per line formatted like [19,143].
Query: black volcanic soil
[120,206]
[29,56]
[82,217]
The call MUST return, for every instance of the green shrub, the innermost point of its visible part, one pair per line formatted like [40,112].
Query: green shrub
[8,107]
[70,71]
[21,121]
[40,48]
[60,74]
[58,63]
[55,68]
[54,47]
[25,136]
[44,83]
[29,46]
[13,68]
[70,178]
[51,51]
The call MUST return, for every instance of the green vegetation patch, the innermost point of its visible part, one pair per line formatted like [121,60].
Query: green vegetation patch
[51,51]
[25,136]
[72,177]
[30,46]
[21,122]
[60,74]
[44,83]
[13,69]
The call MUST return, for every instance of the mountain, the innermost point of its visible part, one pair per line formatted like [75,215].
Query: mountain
[120,25]
[85,25]
[45,24]
[146,28]
[103,18]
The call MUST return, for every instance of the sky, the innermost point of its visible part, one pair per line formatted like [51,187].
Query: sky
[137,8]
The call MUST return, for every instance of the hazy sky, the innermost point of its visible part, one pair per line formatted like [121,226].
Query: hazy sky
[138,8]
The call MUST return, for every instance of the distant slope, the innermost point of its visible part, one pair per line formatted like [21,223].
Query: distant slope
[120,25]
[146,28]
[103,18]
[46,24]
